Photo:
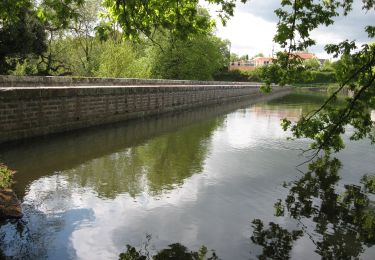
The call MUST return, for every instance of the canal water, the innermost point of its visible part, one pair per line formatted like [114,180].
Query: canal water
[198,178]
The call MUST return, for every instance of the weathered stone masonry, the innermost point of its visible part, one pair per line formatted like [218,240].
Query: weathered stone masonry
[36,106]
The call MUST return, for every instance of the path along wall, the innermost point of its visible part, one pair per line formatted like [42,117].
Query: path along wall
[34,106]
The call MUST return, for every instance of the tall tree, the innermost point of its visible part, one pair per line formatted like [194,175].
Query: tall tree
[21,33]
[197,58]
[260,54]
[83,29]
[57,16]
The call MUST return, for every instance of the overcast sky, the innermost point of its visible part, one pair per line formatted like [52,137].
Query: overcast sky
[254,24]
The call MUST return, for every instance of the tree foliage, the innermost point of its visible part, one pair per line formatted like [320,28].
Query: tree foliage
[197,58]
[355,71]
[312,64]
[91,38]
[58,14]
[27,28]
[21,33]
[120,60]
[182,18]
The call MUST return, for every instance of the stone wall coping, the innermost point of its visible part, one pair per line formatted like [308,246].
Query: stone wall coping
[12,93]
[2,88]
[51,81]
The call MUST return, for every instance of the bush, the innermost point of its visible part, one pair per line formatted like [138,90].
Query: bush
[323,77]
[237,75]
[234,75]
[6,176]
[254,75]
[312,78]
[24,67]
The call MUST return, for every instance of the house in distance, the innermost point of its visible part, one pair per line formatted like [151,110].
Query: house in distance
[252,64]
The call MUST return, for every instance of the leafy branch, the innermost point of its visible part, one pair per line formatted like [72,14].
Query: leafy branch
[355,72]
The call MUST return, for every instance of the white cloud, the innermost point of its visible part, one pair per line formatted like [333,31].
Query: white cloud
[253,26]
[248,34]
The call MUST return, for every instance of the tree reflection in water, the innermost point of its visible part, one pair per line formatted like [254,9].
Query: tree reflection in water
[344,222]
[276,241]
[174,251]
[162,163]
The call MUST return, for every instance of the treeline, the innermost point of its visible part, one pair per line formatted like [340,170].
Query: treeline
[81,40]
[93,57]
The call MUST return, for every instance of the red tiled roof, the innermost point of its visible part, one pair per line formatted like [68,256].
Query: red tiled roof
[305,55]
[261,59]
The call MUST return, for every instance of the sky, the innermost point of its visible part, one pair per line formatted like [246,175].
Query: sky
[253,26]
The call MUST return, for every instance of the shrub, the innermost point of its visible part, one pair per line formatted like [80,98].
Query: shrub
[24,67]
[234,75]
[237,75]
[323,77]
[6,176]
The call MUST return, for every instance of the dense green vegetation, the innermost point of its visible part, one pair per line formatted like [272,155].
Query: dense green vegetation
[144,39]
[89,42]
[319,73]
[237,75]
[110,58]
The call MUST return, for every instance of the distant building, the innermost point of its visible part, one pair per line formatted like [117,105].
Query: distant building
[305,55]
[262,61]
[309,56]
[248,65]
[243,65]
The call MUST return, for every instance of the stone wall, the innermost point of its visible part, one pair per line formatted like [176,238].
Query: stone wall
[52,81]
[27,111]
